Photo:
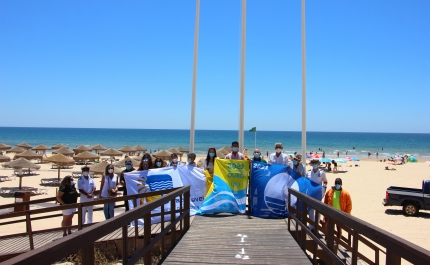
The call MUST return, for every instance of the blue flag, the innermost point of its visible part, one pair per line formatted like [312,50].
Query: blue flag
[269,189]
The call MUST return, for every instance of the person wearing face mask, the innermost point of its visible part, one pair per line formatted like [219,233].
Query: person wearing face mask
[67,194]
[235,154]
[174,161]
[158,163]
[109,189]
[318,176]
[279,158]
[298,166]
[128,168]
[190,160]
[208,163]
[340,199]
[257,156]
[86,186]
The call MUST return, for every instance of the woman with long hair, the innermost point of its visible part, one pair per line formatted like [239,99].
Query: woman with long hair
[67,194]
[208,164]
[109,189]
[146,162]
[158,163]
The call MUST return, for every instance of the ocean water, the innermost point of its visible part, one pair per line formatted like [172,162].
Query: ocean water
[357,144]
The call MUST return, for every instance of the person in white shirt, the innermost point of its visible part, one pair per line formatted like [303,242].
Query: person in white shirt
[235,154]
[86,186]
[318,176]
[279,158]
[298,166]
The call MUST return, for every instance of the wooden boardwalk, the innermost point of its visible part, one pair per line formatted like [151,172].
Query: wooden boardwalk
[237,239]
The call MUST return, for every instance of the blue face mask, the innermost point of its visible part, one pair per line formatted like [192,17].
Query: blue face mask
[337,186]
[257,155]
[294,162]
[128,167]
[189,160]
[158,164]
[211,154]
[72,183]
[315,166]
[235,149]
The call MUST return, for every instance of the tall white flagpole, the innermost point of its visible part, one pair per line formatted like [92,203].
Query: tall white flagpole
[242,77]
[304,81]
[255,139]
[193,98]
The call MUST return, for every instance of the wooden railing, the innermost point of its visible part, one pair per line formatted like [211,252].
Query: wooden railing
[84,239]
[357,230]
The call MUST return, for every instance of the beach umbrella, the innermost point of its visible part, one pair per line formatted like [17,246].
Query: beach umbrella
[24,145]
[64,151]
[176,151]
[29,155]
[127,149]
[355,159]
[223,151]
[58,146]
[101,168]
[140,148]
[227,148]
[4,158]
[60,160]
[81,149]
[98,148]
[220,154]
[340,160]
[326,160]
[5,146]
[121,163]
[21,163]
[348,158]
[41,147]
[315,156]
[111,153]
[163,154]
[183,150]
[16,149]
[412,159]
[86,156]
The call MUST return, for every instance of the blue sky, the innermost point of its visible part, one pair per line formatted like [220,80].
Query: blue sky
[128,64]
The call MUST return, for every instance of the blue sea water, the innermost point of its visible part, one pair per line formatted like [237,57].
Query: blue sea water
[357,144]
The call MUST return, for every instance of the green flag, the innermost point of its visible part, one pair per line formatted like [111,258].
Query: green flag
[254,129]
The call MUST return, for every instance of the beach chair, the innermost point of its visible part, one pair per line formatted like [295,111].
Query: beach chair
[43,191]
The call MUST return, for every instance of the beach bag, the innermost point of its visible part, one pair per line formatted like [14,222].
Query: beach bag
[112,193]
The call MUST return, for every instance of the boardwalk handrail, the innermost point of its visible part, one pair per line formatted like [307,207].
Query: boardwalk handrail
[396,247]
[84,239]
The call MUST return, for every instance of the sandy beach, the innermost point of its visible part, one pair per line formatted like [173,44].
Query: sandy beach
[366,183]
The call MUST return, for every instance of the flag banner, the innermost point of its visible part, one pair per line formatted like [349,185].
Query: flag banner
[166,178]
[254,129]
[269,189]
[227,193]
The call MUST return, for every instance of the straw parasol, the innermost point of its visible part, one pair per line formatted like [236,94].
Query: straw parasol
[121,163]
[20,164]
[98,148]
[220,154]
[163,154]
[4,158]
[29,155]
[41,147]
[60,160]
[58,146]
[101,168]
[5,146]
[16,149]
[140,148]
[111,152]
[127,149]
[223,151]
[86,156]
[81,149]
[64,151]
[177,152]
[183,150]
[227,148]
[24,145]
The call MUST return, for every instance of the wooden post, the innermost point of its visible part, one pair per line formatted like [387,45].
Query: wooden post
[288,207]
[392,258]
[88,254]
[187,207]
[181,210]
[29,230]
[330,237]
[304,216]
[124,244]
[147,237]
[162,229]
[172,219]
[80,217]
[354,248]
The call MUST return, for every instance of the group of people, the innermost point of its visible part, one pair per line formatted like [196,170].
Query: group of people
[68,193]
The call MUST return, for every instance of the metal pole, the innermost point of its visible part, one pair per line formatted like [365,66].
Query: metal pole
[304,82]
[242,77]
[193,97]
[255,139]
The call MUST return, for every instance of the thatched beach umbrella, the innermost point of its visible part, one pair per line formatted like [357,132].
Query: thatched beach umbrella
[111,152]
[60,160]
[81,149]
[24,145]
[64,151]
[127,149]
[121,163]
[58,146]
[5,146]
[101,168]
[98,148]
[20,164]
[183,150]
[16,150]
[223,151]
[220,154]
[86,156]
[176,151]
[4,158]
[163,154]
[41,147]
[226,148]
[140,148]
[29,155]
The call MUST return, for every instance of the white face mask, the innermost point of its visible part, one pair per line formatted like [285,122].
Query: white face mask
[278,150]
[110,170]
[85,173]
[175,160]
